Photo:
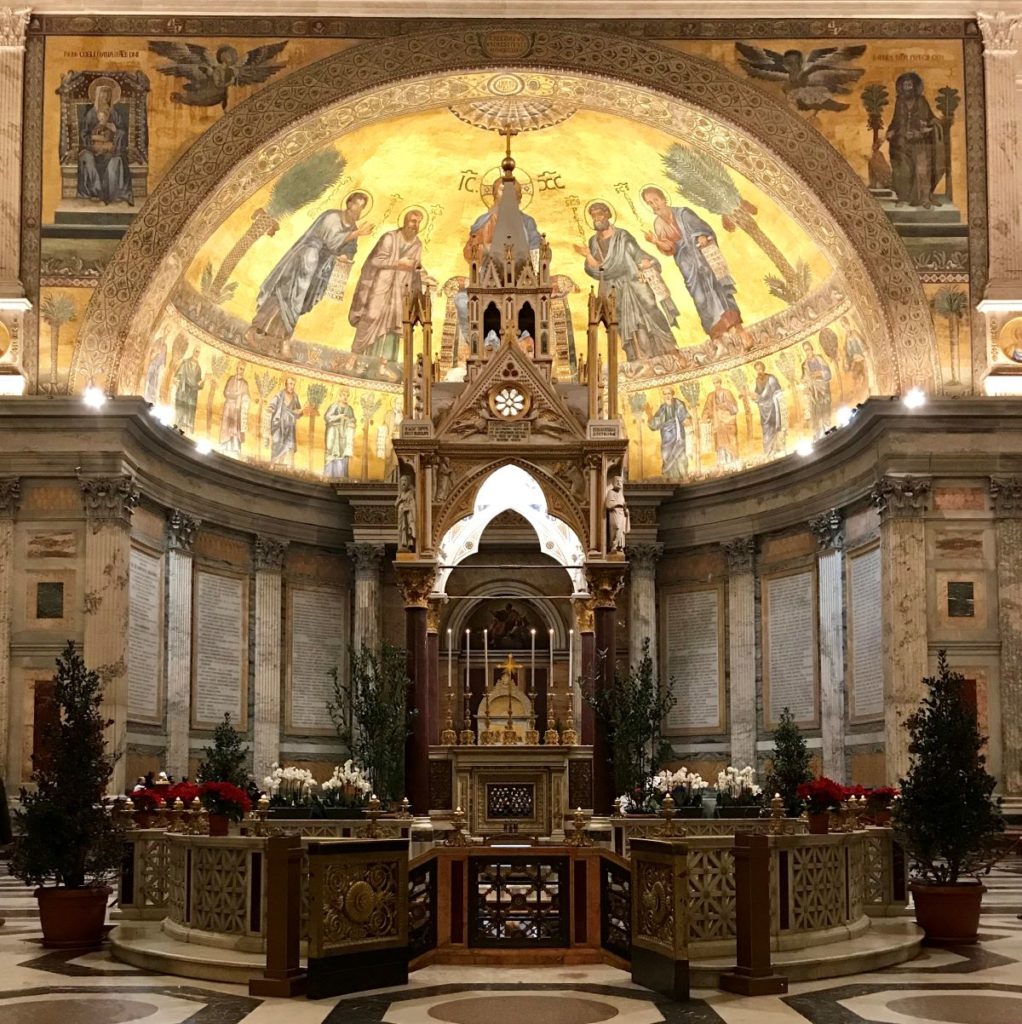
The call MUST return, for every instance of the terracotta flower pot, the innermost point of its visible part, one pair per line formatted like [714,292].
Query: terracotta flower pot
[219,824]
[948,913]
[72,918]
[882,817]
[819,822]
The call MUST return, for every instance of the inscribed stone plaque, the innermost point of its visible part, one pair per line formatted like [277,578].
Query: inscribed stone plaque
[865,627]
[145,635]
[317,646]
[219,646]
[693,655]
[790,646]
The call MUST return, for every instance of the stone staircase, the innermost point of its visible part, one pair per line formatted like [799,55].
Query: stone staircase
[16,899]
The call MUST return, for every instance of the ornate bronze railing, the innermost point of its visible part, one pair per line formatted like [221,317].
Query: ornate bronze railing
[616,906]
[422,893]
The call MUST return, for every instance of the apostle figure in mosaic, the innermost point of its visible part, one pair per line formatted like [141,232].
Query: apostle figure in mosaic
[615,259]
[301,276]
[917,144]
[816,375]
[340,436]
[377,309]
[669,420]
[619,520]
[187,384]
[406,513]
[285,411]
[154,371]
[720,410]
[682,234]
[769,397]
[234,418]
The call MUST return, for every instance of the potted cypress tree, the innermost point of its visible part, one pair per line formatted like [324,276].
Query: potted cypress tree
[789,766]
[64,835]
[947,818]
[222,778]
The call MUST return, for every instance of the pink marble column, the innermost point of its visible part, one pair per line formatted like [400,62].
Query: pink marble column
[902,503]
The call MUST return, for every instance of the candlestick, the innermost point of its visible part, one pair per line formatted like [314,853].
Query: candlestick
[550,679]
[571,658]
[468,658]
[467,737]
[449,653]
[486,660]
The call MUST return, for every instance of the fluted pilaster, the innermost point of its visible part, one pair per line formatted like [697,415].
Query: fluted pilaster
[902,502]
[181,530]
[367,559]
[741,611]
[268,589]
[10,495]
[13,22]
[642,560]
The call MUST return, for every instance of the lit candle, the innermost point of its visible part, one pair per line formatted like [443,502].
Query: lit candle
[468,657]
[449,667]
[486,660]
[550,679]
[532,671]
[571,657]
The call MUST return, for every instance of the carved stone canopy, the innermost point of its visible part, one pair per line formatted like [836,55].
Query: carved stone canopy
[109,499]
[828,528]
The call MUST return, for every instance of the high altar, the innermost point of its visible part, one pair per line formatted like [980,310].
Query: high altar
[523,414]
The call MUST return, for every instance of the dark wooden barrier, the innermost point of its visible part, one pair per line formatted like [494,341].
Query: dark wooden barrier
[283,976]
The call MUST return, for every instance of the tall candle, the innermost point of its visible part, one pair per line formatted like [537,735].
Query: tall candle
[468,657]
[550,679]
[449,657]
[571,657]
[532,671]
[486,660]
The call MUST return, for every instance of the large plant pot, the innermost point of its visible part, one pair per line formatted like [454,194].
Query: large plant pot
[948,913]
[72,918]
[818,822]
[219,825]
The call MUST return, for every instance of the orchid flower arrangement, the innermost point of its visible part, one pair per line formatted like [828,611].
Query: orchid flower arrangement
[347,787]
[290,786]
[738,788]
[686,788]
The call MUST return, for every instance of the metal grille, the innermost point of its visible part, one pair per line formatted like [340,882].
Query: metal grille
[615,909]
[518,901]
[510,800]
[422,882]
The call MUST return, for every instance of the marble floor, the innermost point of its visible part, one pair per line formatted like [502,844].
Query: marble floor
[977,984]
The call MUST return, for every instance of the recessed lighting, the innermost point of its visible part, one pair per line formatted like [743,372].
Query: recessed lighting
[804,448]
[94,397]
[914,399]
[162,414]
[844,416]
[203,446]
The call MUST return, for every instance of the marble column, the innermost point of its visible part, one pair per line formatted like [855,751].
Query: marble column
[365,631]
[416,584]
[1006,501]
[269,564]
[642,623]
[1001,35]
[432,707]
[605,583]
[585,626]
[13,304]
[741,619]
[181,529]
[108,503]
[828,529]
[902,503]
[10,496]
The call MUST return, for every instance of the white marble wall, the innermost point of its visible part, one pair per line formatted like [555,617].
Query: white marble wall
[741,613]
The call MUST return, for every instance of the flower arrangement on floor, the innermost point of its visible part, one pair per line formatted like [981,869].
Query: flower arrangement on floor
[347,787]
[225,799]
[290,786]
[737,787]
[686,788]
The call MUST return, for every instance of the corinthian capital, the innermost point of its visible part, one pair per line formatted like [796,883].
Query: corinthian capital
[367,559]
[643,557]
[740,554]
[1006,496]
[13,22]
[900,496]
[827,529]
[269,554]
[10,495]
[109,499]
[181,530]
[1000,31]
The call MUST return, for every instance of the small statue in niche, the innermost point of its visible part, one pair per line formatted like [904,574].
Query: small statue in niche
[406,513]
[619,520]
[444,480]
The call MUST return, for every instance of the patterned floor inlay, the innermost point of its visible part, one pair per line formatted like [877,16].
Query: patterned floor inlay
[515,1009]
[92,1011]
[961,1009]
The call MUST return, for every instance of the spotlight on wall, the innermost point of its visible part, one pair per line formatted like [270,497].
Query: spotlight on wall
[94,397]
[844,416]
[914,399]
[162,414]
[804,448]
[12,384]
[203,447]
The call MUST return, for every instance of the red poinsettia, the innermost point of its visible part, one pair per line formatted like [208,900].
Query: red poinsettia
[821,795]
[186,792]
[225,798]
[147,800]
[880,798]
[855,791]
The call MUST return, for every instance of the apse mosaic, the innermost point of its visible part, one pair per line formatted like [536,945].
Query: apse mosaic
[745,324]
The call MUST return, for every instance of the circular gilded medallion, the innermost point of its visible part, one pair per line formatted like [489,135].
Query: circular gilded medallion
[359,902]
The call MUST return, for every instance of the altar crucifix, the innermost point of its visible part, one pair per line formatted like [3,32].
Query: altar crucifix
[507,708]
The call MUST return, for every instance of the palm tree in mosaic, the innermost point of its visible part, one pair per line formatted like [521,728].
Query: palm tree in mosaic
[56,310]
[302,184]
[791,367]
[705,181]
[314,397]
[952,304]
[690,393]
[874,98]
[265,383]
[216,370]
[741,383]
[947,102]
